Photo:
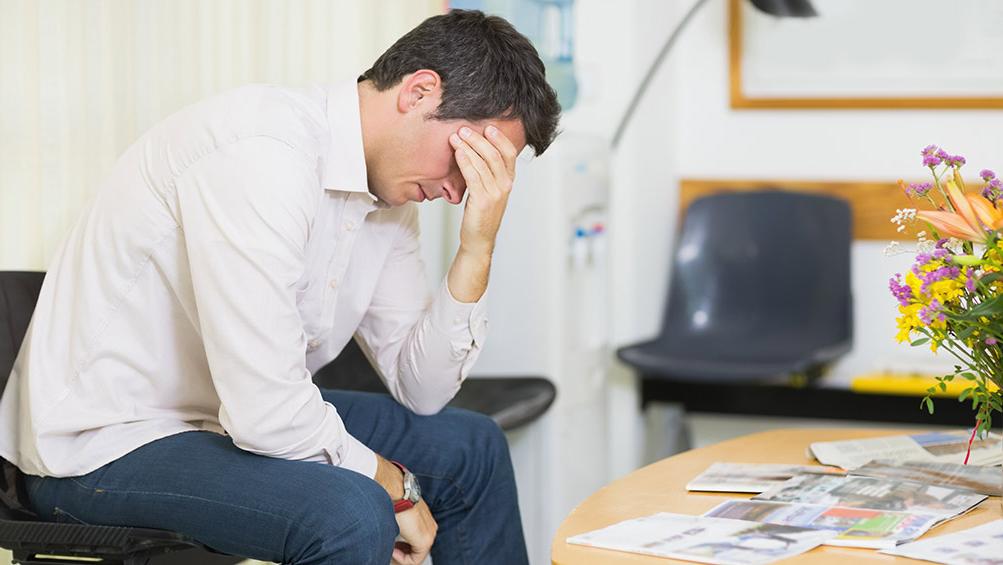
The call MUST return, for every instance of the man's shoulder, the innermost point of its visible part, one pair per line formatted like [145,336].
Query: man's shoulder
[294,116]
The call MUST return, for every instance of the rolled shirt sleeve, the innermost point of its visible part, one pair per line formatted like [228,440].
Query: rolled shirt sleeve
[245,211]
[423,345]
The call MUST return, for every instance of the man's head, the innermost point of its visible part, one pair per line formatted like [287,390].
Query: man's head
[459,69]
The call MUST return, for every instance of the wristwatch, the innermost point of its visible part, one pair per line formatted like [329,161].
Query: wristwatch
[412,491]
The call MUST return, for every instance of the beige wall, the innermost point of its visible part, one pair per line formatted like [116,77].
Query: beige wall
[82,79]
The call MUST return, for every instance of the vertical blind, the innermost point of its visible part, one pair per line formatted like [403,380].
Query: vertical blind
[79,81]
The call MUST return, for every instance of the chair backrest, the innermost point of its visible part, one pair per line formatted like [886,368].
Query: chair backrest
[18,295]
[757,266]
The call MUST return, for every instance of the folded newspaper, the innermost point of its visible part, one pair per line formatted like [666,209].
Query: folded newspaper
[981,545]
[856,527]
[750,477]
[940,447]
[705,540]
[875,494]
[983,480]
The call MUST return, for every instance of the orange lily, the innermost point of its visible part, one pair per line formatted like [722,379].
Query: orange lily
[973,215]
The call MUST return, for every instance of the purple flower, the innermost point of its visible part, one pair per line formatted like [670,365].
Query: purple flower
[919,189]
[929,150]
[932,312]
[942,155]
[969,282]
[993,190]
[931,161]
[987,175]
[991,341]
[955,160]
[900,291]
[990,193]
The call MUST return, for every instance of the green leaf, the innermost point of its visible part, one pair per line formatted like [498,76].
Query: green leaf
[991,277]
[920,341]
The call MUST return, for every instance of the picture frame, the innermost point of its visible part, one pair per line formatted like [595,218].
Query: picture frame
[903,55]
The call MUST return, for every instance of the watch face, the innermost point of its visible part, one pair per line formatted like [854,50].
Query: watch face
[415,490]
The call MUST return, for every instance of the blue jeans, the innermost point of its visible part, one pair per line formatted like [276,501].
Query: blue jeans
[200,484]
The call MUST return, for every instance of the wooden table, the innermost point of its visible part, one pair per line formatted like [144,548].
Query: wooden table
[661,487]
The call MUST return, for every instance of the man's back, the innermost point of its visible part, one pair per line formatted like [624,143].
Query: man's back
[114,357]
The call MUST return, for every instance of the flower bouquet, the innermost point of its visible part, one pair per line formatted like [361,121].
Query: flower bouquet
[952,297]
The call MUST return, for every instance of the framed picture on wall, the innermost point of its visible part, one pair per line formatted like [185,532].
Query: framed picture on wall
[869,54]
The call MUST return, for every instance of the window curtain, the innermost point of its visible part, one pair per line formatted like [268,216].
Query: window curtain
[81,80]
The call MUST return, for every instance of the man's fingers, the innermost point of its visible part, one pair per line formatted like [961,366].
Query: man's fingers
[487,151]
[505,147]
[466,163]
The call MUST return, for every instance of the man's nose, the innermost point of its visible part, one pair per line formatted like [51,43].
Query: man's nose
[453,188]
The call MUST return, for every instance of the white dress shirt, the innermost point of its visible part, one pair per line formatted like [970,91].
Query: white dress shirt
[234,249]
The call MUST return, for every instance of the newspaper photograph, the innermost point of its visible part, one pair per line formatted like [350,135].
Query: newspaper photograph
[981,545]
[983,480]
[857,527]
[875,494]
[940,447]
[705,540]
[751,477]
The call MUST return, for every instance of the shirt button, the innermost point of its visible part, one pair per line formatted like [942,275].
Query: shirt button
[349,226]
[333,283]
[312,344]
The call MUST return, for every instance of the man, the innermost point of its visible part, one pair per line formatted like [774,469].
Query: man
[165,380]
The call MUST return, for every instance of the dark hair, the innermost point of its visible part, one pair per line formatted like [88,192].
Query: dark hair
[488,70]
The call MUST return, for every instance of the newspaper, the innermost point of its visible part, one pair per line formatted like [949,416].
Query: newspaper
[750,477]
[705,540]
[857,527]
[983,480]
[939,447]
[875,494]
[981,545]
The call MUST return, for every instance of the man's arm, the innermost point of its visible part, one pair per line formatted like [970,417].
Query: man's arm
[423,350]
[488,166]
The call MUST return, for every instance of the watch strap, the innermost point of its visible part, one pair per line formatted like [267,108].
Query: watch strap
[404,503]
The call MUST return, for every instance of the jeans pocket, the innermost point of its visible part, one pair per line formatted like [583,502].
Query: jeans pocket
[63,517]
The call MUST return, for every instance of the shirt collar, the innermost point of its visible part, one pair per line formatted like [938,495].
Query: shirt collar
[344,163]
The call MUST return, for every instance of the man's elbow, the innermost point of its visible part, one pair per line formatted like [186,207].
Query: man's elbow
[427,401]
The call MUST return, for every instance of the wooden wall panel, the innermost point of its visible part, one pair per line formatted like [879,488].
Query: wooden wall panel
[872,203]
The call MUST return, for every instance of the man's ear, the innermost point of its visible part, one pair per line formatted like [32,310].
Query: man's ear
[421,89]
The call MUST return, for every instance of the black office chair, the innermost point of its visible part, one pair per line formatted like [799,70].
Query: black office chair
[34,542]
[510,401]
[759,292]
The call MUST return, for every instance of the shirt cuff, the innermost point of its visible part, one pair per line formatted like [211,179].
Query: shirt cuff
[357,457]
[455,318]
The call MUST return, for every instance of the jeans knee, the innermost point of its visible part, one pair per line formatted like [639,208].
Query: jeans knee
[373,535]
[490,438]
[350,522]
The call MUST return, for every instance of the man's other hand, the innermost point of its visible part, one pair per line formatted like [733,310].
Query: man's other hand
[417,528]
[416,525]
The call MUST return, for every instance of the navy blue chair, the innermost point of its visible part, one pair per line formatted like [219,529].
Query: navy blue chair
[759,292]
